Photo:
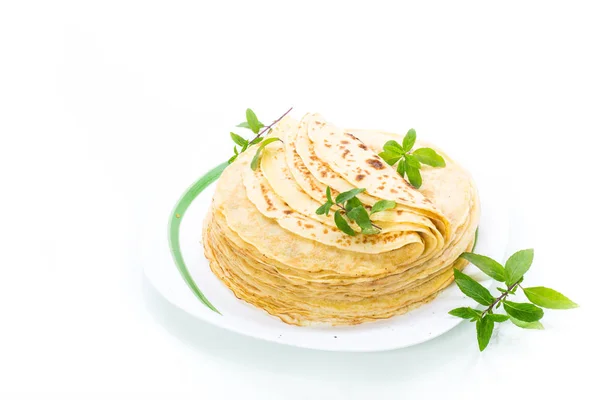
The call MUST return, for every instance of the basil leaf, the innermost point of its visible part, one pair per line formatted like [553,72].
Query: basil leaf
[361,217]
[328,194]
[342,224]
[324,209]
[390,158]
[401,167]
[527,325]
[548,298]
[412,160]
[256,140]
[243,125]
[409,140]
[392,147]
[517,265]
[345,196]
[253,123]
[465,312]
[256,158]
[352,203]
[430,157]
[485,327]
[498,317]
[473,289]
[240,141]
[414,176]
[382,205]
[489,267]
[523,311]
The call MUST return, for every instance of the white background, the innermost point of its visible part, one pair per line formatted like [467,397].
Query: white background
[109,109]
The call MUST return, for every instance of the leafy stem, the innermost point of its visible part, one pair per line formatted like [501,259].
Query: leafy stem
[258,128]
[523,315]
[409,162]
[269,127]
[500,299]
[354,210]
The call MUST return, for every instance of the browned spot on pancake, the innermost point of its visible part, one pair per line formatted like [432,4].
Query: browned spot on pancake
[287,212]
[367,172]
[326,231]
[309,226]
[314,158]
[323,174]
[393,190]
[360,177]
[299,223]
[313,235]
[380,177]
[386,176]
[345,142]
[345,153]
[327,145]
[381,187]
[362,146]
[318,123]
[375,163]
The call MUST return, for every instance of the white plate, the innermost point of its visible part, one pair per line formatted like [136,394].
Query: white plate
[417,326]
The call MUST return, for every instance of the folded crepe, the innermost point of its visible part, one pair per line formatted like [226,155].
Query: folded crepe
[265,242]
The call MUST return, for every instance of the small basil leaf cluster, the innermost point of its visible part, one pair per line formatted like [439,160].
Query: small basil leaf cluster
[350,208]
[254,125]
[259,129]
[409,163]
[523,315]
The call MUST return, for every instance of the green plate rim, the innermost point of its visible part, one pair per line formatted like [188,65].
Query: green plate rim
[175,223]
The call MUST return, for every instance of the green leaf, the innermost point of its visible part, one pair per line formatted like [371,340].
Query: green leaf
[414,176]
[527,325]
[390,158]
[253,123]
[240,141]
[472,288]
[235,150]
[489,267]
[244,147]
[256,158]
[548,298]
[342,224]
[256,140]
[401,167]
[382,205]
[345,196]
[243,125]
[232,159]
[409,140]
[392,147]
[517,265]
[498,317]
[465,312]
[430,157]
[523,311]
[485,327]
[328,194]
[324,209]
[352,203]
[412,161]
[361,217]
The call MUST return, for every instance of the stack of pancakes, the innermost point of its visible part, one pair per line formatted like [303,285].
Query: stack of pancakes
[264,240]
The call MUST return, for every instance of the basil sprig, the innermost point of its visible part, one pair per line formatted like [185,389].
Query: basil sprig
[259,129]
[350,208]
[523,315]
[409,163]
